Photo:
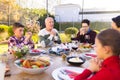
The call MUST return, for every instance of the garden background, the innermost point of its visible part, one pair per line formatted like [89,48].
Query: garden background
[33,19]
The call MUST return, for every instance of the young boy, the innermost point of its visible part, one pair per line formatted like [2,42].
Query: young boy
[18,39]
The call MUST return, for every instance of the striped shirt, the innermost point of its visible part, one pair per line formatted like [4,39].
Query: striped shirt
[47,38]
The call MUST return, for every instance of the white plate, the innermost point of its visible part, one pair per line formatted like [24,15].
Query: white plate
[56,72]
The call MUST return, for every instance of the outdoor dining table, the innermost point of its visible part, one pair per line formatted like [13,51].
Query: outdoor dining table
[57,62]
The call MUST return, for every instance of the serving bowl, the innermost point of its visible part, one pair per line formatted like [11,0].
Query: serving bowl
[36,67]
[76,61]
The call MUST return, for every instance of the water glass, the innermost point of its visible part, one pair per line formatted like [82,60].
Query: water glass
[2,70]
[87,38]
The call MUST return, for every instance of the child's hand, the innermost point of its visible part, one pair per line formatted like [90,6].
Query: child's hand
[28,36]
[95,65]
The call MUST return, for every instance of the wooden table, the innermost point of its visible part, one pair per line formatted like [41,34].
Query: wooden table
[47,75]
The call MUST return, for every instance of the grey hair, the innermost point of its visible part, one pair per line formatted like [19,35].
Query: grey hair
[47,19]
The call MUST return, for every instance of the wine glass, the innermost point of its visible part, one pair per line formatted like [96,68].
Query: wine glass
[87,38]
[74,47]
[55,40]
[73,37]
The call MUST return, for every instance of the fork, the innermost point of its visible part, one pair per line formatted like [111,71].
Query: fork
[63,72]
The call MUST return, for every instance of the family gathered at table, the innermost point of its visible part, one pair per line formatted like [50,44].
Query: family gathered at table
[106,64]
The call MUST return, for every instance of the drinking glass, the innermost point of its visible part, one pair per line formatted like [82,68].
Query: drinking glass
[74,47]
[3,59]
[87,38]
[55,39]
[2,70]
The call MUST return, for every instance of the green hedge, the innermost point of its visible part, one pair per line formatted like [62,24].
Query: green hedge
[3,28]
[35,38]
[3,32]
[64,38]
[10,31]
[71,30]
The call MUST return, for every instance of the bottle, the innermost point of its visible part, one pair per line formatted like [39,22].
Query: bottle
[64,56]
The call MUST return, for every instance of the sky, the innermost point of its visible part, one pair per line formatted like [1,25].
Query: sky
[88,4]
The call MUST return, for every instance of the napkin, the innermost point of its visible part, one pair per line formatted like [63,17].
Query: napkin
[92,55]
[59,49]
[71,74]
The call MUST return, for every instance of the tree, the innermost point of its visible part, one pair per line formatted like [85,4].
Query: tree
[42,17]
[9,10]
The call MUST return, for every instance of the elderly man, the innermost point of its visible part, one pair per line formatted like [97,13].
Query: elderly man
[49,35]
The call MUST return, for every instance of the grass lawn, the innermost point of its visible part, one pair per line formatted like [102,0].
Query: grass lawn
[3,48]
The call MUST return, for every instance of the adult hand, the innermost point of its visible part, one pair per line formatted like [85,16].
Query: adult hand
[82,31]
[53,33]
[95,65]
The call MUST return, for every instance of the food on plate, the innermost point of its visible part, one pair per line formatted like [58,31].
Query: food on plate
[35,51]
[75,59]
[85,45]
[45,58]
[26,63]
[33,63]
